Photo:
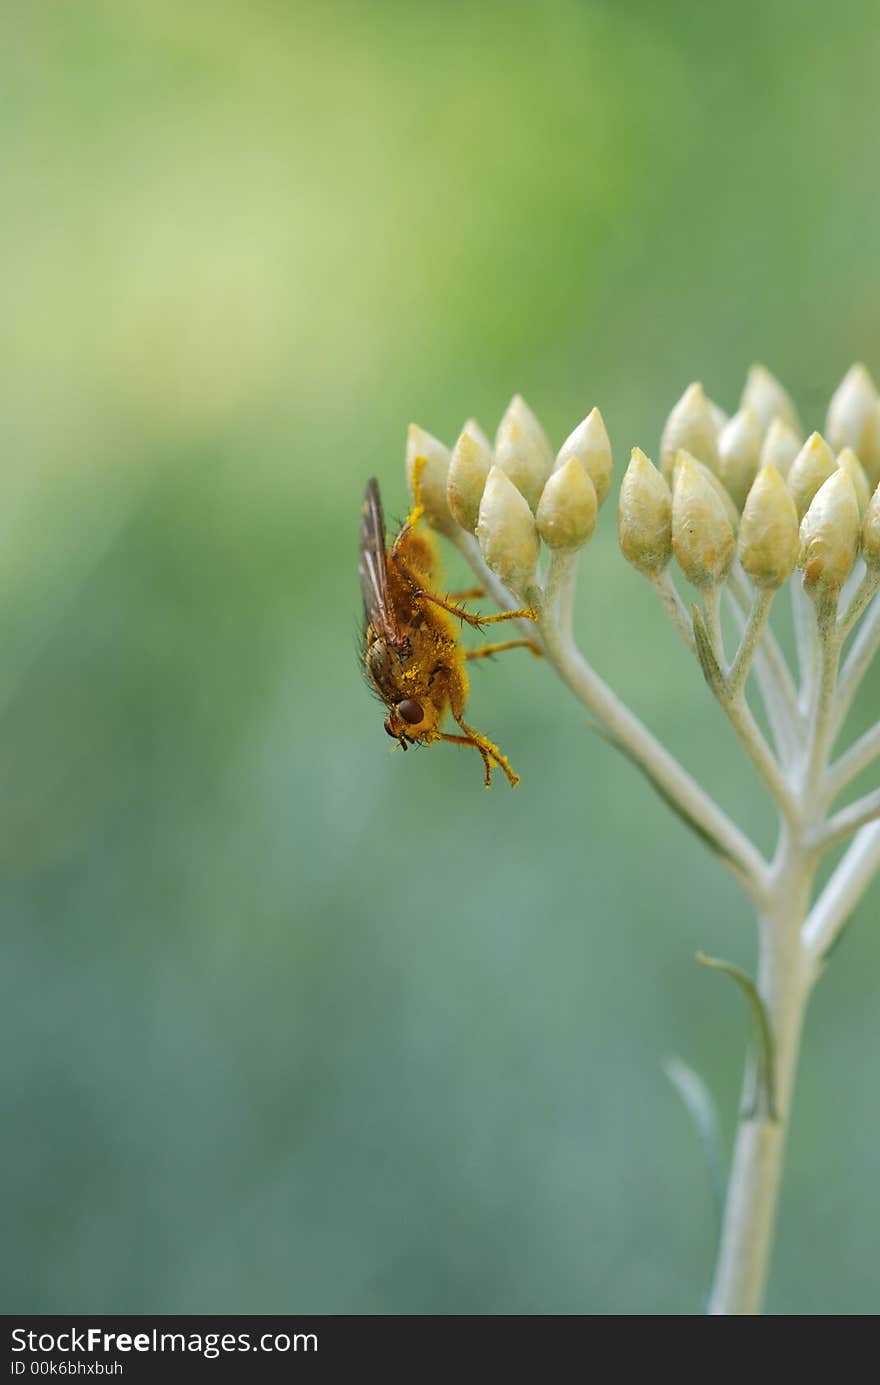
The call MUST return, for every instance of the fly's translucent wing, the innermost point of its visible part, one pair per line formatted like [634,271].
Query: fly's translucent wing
[373,567]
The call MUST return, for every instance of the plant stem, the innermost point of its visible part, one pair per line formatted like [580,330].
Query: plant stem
[785,977]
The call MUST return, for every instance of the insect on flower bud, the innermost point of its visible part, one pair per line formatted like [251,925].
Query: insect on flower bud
[590,444]
[702,534]
[854,417]
[780,446]
[812,466]
[507,533]
[871,531]
[644,516]
[830,536]
[432,481]
[522,450]
[470,465]
[691,426]
[768,531]
[849,462]
[768,399]
[738,448]
[568,507]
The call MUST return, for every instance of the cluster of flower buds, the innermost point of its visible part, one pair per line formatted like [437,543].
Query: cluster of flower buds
[518,493]
[747,487]
[751,487]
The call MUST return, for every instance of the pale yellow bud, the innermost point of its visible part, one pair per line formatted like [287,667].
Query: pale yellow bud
[568,507]
[769,399]
[768,531]
[702,535]
[470,465]
[871,531]
[830,536]
[714,481]
[854,417]
[644,515]
[590,444]
[432,476]
[507,533]
[849,462]
[719,417]
[522,450]
[780,446]
[812,466]
[738,448]
[691,426]
[473,427]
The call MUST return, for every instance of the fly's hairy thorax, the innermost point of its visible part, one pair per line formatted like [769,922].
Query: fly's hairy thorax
[421,670]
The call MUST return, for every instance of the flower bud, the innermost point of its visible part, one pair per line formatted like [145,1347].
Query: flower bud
[522,450]
[568,507]
[702,535]
[644,516]
[768,531]
[470,465]
[854,417]
[738,449]
[849,462]
[719,417]
[768,399]
[473,427]
[690,426]
[780,446]
[432,479]
[590,444]
[506,532]
[871,531]
[830,536]
[812,466]
[714,481]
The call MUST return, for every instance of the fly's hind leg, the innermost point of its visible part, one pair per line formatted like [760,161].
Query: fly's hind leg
[526,613]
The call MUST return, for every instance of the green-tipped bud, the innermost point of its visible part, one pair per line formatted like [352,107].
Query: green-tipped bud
[590,444]
[432,477]
[854,417]
[691,427]
[644,516]
[768,531]
[780,446]
[522,450]
[829,536]
[738,449]
[849,462]
[470,465]
[702,535]
[871,531]
[507,533]
[811,468]
[769,399]
[568,507]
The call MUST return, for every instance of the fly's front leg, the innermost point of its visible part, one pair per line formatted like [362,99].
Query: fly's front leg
[458,689]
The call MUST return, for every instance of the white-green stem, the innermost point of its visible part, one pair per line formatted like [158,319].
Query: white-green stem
[784,980]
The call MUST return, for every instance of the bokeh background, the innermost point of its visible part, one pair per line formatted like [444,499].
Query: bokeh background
[290,1023]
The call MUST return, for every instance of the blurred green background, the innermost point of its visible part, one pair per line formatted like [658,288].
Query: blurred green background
[291,1023]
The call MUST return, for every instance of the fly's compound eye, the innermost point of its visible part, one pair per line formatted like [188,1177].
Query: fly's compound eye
[412,712]
[388,729]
